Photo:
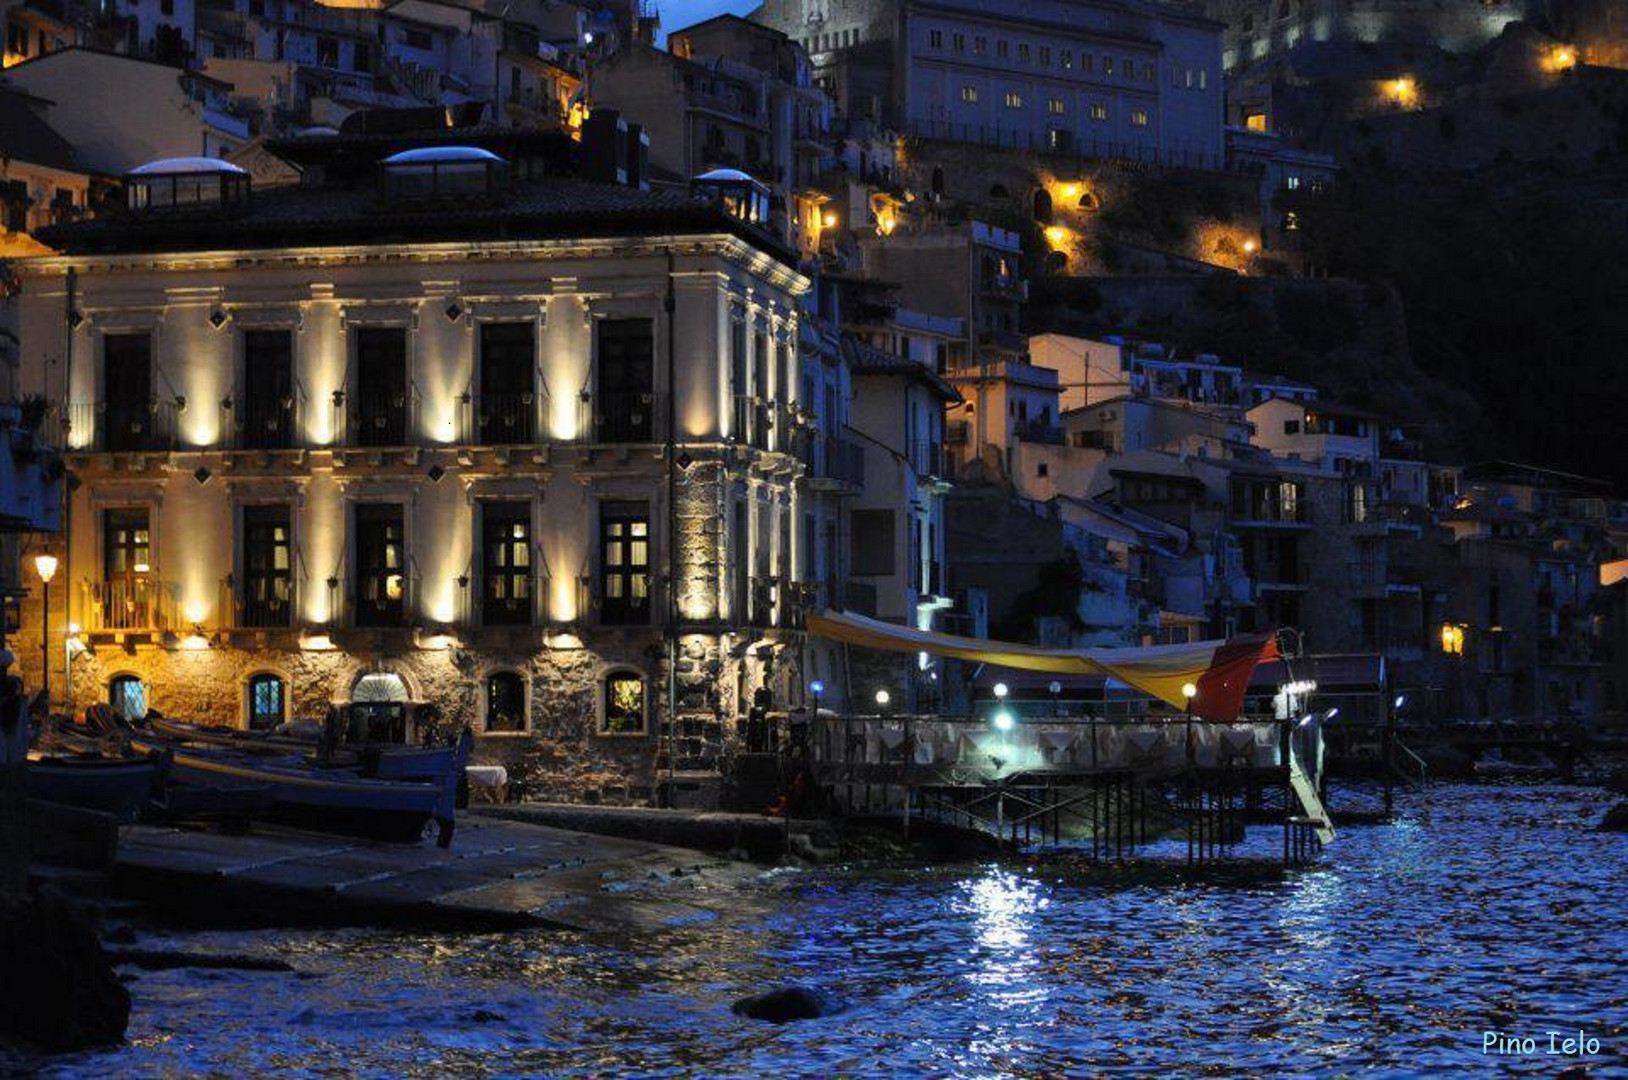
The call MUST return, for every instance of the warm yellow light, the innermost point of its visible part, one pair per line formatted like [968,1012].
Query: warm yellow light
[1403,91]
[46,567]
[1452,639]
[1249,247]
[1255,121]
[1561,58]
[1189,691]
[143,568]
[886,222]
[194,643]
[830,219]
[1071,191]
[1056,234]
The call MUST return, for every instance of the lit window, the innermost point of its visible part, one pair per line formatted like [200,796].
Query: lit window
[267,705]
[969,94]
[1014,100]
[624,704]
[1055,106]
[1255,121]
[127,694]
[1203,79]
[1291,183]
[1139,118]
[1099,111]
[505,702]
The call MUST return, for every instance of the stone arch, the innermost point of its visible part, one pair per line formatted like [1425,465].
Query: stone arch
[1042,206]
[246,701]
[383,686]
[115,695]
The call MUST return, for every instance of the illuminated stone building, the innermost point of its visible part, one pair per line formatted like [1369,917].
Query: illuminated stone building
[440,427]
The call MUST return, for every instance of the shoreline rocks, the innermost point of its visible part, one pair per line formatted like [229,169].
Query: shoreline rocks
[58,991]
[786,1004]
[1615,820]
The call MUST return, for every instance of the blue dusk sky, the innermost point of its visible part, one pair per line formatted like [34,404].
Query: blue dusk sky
[677,14]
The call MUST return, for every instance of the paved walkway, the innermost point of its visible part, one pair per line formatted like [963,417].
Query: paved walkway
[496,874]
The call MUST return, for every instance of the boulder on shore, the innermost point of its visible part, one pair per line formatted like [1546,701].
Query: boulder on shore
[58,992]
[1616,819]
[785,1004]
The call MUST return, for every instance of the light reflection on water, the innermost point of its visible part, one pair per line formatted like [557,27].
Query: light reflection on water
[1502,912]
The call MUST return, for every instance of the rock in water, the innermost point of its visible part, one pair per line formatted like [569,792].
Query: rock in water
[57,990]
[1616,819]
[786,1004]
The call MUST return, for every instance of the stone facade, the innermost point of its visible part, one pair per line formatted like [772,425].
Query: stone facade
[185,636]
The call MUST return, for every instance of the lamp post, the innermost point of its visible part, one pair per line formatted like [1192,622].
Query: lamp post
[45,566]
[1190,692]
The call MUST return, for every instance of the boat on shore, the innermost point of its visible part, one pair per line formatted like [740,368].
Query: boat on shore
[378,761]
[300,793]
[114,785]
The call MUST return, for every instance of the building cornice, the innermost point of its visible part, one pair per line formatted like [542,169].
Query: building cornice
[723,245]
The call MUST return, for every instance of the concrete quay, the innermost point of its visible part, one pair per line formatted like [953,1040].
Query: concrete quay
[498,874]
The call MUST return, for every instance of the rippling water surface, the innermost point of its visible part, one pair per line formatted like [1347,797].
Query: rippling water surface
[1484,908]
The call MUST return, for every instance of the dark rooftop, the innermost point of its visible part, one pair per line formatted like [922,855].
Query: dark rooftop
[25,136]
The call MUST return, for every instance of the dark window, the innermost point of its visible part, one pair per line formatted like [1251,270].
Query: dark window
[505,563]
[380,411]
[127,694]
[127,391]
[327,52]
[508,403]
[416,39]
[505,702]
[624,704]
[266,702]
[267,422]
[625,405]
[624,563]
[381,576]
[267,566]
[167,6]
[872,542]
[361,57]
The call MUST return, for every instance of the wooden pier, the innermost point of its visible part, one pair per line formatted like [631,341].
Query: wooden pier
[1110,786]
[497,875]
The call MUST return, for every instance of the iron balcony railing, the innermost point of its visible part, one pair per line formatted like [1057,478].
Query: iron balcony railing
[842,460]
[378,417]
[131,604]
[123,426]
[265,425]
[258,604]
[505,419]
[626,416]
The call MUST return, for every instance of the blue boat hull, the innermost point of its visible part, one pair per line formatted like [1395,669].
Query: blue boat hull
[117,787]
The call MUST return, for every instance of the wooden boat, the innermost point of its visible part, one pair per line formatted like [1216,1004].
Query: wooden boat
[117,786]
[378,761]
[324,799]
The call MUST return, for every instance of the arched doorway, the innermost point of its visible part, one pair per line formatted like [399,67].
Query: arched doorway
[379,703]
[1042,206]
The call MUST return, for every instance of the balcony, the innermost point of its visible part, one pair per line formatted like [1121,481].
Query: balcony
[122,427]
[505,419]
[927,458]
[378,418]
[131,605]
[836,463]
[1003,341]
[626,416]
[1006,287]
[256,606]
[753,418]
[264,425]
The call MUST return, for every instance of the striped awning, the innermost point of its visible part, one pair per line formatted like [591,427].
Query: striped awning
[1220,670]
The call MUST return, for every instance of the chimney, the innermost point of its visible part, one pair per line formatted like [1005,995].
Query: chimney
[638,158]
[604,147]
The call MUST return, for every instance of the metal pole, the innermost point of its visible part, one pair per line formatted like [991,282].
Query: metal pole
[45,638]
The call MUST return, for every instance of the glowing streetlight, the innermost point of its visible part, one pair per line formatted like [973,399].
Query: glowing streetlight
[882,698]
[1249,247]
[817,688]
[830,219]
[1003,720]
[46,567]
[1001,691]
[1189,691]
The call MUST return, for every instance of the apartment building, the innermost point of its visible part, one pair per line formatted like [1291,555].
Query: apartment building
[520,453]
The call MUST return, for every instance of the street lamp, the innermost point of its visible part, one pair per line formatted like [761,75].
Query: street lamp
[1000,691]
[882,699]
[1190,692]
[45,566]
[817,688]
[1004,720]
